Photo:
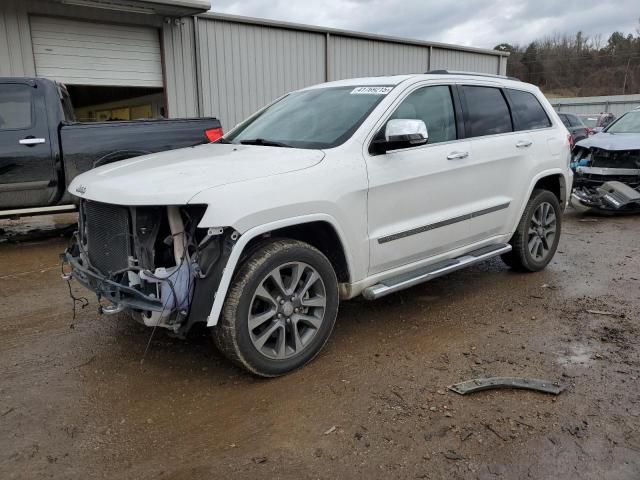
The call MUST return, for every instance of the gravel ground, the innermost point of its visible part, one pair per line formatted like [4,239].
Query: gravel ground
[79,399]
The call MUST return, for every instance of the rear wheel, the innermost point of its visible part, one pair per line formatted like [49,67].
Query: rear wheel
[536,238]
[280,310]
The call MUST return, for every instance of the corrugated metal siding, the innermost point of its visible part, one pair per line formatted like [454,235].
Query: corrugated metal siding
[179,48]
[356,57]
[244,63]
[87,53]
[465,61]
[243,67]
[616,104]
[503,65]
[16,55]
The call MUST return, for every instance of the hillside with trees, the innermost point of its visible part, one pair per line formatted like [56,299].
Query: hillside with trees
[568,66]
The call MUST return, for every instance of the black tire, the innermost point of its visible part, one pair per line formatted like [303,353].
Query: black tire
[232,335]
[521,258]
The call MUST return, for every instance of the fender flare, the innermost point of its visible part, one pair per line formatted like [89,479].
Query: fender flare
[547,173]
[230,268]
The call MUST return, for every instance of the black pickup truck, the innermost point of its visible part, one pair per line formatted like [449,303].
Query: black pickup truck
[42,147]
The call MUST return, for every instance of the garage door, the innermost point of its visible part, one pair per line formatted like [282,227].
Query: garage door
[84,53]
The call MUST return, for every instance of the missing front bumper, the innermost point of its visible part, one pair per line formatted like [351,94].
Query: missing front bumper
[119,295]
[610,197]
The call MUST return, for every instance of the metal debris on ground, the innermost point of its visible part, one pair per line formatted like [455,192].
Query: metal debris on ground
[600,312]
[479,384]
[452,455]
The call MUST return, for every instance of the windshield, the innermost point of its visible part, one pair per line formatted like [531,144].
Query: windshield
[318,118]
[628,123]
[591,122]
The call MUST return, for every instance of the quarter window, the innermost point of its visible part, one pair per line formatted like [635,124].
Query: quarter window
[487,112]
[434,106]
[15,106]
[527,111]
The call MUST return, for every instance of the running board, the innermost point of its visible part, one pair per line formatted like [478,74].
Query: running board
[436,270]
[32,212]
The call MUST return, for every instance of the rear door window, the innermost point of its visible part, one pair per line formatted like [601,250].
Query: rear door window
[576,121]
[487,112]
[528,113]
[565,119]
[15,106]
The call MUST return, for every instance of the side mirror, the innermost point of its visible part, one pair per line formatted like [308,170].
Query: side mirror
[402,133]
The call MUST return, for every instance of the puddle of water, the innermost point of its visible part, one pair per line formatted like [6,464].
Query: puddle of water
[576,355]
[27,227]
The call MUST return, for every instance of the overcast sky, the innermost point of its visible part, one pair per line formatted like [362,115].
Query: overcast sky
[479,23]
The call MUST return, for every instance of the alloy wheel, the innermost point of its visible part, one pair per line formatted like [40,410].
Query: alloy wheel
[287,310]
[542,231]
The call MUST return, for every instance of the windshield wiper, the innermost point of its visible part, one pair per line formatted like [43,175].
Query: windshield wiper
[263,142]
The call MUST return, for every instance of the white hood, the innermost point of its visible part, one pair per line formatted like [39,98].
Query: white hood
[176,176]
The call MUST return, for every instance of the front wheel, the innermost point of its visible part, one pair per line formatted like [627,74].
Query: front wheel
[280,309]
[536,238]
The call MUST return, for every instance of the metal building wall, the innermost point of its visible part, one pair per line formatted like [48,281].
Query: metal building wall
[616,104]
[16,53]
[243,67]
[178,44]
[351,57]
[180,70]
[231,66]
[17,59]
[449,59]
[245,63]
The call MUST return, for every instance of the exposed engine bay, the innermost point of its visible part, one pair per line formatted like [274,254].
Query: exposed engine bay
[607,175]
[152,262]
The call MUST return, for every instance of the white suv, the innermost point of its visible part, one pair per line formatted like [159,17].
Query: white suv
[364,186]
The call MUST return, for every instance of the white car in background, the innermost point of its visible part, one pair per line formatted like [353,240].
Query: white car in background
[357,187]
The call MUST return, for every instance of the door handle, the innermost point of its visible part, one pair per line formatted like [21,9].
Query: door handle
[29,141]
[524,144]
[457,155]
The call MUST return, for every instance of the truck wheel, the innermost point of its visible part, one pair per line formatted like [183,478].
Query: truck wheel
[280,309]
[536,238]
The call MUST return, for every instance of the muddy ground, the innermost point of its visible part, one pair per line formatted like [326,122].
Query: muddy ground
[79,400]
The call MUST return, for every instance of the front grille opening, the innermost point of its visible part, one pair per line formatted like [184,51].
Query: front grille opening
[616,159]
[191,216]
[107,236]
[163,248]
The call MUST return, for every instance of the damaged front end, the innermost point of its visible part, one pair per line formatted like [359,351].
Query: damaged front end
[152,262]
[606,180]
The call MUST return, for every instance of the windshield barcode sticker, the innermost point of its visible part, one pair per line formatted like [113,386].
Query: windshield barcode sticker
[371,90]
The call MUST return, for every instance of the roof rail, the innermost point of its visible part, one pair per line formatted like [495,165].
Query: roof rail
[447,72]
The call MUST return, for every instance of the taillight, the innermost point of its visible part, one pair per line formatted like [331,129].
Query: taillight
[571,143]
[213,134]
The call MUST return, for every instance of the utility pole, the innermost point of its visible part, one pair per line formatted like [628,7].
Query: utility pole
[626,71]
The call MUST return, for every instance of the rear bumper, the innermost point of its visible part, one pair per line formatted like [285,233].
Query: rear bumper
[121,296]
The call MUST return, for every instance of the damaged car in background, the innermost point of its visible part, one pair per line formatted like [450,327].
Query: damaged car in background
[607,169]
